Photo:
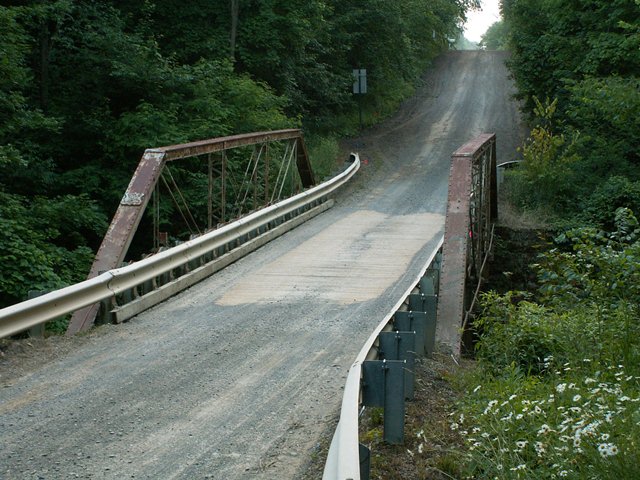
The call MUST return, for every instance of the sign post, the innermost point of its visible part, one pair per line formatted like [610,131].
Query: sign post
[360,87]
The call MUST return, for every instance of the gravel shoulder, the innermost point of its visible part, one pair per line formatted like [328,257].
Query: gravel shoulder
[241,376]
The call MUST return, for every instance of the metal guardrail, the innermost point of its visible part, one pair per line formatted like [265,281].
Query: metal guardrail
[347,459]
[25,315]
[461,255]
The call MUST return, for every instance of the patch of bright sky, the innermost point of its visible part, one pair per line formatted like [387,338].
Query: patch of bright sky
[478,21]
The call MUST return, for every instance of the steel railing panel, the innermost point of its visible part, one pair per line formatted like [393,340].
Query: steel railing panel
[24,315]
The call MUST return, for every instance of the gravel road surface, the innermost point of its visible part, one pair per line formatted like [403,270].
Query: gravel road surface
[240,376]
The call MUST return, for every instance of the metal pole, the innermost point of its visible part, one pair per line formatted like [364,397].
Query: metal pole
[223,188]
[266,175]
[156,217]
[210,194]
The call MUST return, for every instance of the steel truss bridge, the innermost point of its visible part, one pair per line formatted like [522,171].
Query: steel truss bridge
[254,170]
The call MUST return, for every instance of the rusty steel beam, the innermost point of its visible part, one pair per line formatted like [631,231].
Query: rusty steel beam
[457,249]
[304,164]
[122,229]
[193,149]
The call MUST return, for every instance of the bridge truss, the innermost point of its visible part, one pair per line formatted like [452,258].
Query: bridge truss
[244,173]
[472,209]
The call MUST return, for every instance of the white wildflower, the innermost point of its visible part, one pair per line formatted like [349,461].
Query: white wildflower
[544,429]
[607,449]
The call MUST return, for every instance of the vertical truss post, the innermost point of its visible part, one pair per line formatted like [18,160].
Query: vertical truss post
[156,217]
[494,183]
[210,192]
[223,188]
[266,174]
[304,164]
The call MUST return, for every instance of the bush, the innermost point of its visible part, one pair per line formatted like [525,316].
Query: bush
[557,387]
[544,180]
[600,207]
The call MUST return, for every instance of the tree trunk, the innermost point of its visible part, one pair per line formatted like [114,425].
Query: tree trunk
[235,8]
[45,41]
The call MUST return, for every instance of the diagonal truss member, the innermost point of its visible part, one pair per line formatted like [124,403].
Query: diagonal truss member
[145,180]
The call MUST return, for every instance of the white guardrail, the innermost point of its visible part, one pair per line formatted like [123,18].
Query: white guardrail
[28,314]
[343,459]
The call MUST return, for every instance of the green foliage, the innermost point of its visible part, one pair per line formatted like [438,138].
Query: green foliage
[580,423]
[556,392]
[585,55]
[544,180]
[607,113]
[600,207]
[40,252]
[323,153]
[496,37]
[558,40]
[519,335]
[593,266]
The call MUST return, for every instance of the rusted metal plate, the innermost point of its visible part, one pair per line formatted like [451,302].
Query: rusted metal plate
[475,147]
[454,255]
[473,162]
[122,229]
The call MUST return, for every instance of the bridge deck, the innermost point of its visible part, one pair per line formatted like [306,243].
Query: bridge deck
[239,376]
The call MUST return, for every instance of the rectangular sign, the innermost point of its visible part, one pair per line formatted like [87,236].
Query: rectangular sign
[360,81]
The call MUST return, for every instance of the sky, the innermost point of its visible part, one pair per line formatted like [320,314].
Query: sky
[479,21]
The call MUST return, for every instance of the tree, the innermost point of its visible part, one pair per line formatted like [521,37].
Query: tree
[496,37]
[585,55]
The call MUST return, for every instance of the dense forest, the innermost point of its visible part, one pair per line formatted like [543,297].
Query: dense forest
[576,65]
[86,86]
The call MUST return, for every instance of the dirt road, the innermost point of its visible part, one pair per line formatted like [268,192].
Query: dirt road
[239,376]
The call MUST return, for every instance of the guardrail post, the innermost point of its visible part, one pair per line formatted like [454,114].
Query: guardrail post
[429,283]
[37,330]
[401,346]
[384,387]
[413,322]
[104,314]
[365,462]
[419,302]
